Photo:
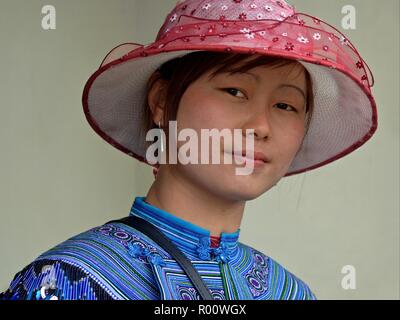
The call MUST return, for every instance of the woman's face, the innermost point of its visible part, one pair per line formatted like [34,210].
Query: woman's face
[274,106]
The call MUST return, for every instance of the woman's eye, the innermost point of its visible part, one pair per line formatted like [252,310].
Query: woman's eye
[286,106]
[233,91]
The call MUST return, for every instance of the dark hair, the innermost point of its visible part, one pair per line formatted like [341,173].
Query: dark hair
[181,72]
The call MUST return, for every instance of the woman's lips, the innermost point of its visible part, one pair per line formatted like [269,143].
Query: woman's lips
[242,159]
[256,162]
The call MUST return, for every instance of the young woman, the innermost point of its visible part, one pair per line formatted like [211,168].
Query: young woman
[292,84]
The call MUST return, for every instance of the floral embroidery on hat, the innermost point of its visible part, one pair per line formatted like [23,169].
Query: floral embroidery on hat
[268,8]
[253,6]
[279,3]
[173,18]
[317,36]
[289,46]
[302,22]
[242,16]
[248,33]
[285,34]
[224,8]
[206,6]
[259,16]
[344,41]
[302,39]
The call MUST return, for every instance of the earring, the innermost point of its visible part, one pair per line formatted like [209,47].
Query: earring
[161,137]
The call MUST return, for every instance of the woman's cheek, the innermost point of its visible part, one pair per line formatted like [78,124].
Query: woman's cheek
[191,111]
[288,146]
[203,114]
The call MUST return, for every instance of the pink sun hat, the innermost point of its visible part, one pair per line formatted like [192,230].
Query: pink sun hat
[344,116]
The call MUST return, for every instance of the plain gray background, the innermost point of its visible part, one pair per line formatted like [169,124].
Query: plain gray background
[58,178]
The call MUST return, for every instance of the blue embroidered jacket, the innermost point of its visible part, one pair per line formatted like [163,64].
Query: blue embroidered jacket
[115,261]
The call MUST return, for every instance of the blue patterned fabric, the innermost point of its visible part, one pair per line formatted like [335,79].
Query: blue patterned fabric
[117,262]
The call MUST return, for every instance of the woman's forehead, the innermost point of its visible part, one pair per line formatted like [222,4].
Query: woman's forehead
[260,64]
[276,64]
[292,72]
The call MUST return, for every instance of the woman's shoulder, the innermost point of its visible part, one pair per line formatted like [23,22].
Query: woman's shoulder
[92,265]
[45,279]
[280,282]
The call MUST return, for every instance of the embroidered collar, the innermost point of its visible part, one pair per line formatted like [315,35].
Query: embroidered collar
[193,240]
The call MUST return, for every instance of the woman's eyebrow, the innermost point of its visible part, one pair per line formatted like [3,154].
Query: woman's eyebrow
[255,76]
[257,79]
[285,85]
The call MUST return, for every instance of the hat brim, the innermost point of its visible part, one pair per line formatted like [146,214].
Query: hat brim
[344,116]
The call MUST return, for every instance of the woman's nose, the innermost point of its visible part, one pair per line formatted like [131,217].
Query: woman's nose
[260,123]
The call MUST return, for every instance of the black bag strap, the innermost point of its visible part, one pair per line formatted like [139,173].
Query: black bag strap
[155,234]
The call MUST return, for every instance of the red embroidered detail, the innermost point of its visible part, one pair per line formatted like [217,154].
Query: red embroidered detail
[280,4]
[242,16]
[289,46]
[215,241]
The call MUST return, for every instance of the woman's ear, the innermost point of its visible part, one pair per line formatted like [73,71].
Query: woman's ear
[157,96]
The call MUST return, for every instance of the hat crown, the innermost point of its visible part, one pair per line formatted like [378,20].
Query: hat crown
[234,10]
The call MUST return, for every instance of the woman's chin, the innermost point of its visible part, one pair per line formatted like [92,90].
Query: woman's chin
[249,186]
[242,194]
[245,187]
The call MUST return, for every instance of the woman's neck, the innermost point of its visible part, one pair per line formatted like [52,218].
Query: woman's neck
[175,194]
